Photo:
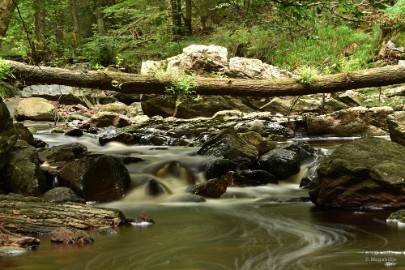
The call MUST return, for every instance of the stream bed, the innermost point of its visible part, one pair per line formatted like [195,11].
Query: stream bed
[248,228]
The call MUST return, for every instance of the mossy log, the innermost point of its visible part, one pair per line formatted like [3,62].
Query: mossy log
[31,215]
[140,84]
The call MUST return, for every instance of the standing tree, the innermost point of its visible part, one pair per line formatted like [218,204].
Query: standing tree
[176,18]
[6,10]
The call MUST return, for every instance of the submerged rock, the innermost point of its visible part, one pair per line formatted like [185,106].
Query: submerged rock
[365,173]
[65,235]
[213,188]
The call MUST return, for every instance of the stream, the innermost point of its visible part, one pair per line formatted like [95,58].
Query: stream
[247,228]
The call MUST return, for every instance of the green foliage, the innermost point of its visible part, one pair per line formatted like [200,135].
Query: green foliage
[307,74]
[183,84]
[102,50]
[5,70]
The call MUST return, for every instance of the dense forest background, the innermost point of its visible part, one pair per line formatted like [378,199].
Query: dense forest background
[329,36]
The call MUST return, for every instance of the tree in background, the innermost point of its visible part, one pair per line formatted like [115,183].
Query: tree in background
[6,10]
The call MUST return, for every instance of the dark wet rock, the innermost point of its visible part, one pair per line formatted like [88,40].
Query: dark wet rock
[176,170]
[24,133]
[275,128]
[154,188]
[125,138]
[306,152]
[105,230]
[229,145]
[218,168]
[396,125]
[64,235]
[397,216]
[74,132]
[22,173]
[282,163]
[14,244]
[253,138]
[8,135]
[36,109]
[121,121]
[254,178]
[154,139]
[213,188]
[63,153]
[61,195]
[144,217]
[97,177]
[365,173]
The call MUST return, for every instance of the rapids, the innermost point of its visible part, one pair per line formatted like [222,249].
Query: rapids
[267,227]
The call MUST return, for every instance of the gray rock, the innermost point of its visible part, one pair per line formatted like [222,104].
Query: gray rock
[396,126]
[23,174]
[36,109]
[350,122]
[230,145]
[8,135]
[365,173]
[61,195]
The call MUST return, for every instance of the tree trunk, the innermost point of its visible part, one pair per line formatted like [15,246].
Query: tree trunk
[6,11]
[100,21]
[187,18]
[140,84]
[76,24]
[29,215]
[176,18]
[39,20]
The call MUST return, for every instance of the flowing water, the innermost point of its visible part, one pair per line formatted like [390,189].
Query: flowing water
[248,228]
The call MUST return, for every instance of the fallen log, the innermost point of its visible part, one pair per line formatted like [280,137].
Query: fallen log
[31,215]
[141,84]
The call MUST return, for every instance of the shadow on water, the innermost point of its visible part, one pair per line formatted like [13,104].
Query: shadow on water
[247,228]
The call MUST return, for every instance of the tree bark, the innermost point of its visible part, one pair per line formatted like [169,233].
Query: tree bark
[176,18]
[29,215]
[188,18]
[141,84]
[75,18]
[6,11]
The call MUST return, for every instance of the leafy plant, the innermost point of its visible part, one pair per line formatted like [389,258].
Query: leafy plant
[182,85]
[307,74]
[5,70]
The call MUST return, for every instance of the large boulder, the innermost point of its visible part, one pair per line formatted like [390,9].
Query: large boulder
[97,177]
[36,109]
[282,163]
[365,173]
[350,122]
[396,126]
[207,106]
[8,135]
[230,145]
[23,173]
[61,93]
[207,61]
